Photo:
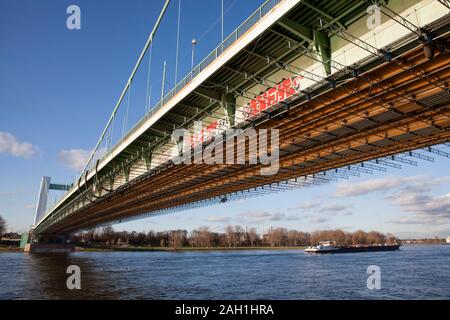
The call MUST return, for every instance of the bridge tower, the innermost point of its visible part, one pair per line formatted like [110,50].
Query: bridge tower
[45,188]
[43,243]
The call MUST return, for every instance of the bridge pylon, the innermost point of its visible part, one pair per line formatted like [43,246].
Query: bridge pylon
[47,242]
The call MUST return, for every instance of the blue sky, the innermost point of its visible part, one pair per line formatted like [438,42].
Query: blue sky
[58,87]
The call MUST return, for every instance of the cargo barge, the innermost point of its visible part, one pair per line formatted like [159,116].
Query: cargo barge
[330,247]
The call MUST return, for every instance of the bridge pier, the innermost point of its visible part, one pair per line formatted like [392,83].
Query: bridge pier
[49,244]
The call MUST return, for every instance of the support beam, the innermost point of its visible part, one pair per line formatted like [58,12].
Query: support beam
[147,155]
[322,42]
[296,28]
[98,191]
[229,105]
[111,183]
[126,173]
[59,187]
[319,38]
[323,13]
[208,94]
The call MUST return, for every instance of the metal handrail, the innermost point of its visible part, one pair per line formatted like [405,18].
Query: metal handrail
[234,36]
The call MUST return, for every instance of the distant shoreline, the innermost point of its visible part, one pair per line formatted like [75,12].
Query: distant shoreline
[182,249]
[161,249]
[13,249]
[188,249]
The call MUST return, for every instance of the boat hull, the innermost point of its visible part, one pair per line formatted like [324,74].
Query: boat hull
[358,249]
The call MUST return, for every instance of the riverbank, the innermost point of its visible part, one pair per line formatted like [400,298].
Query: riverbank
[4,249]
[10,249]
[159,249]
[182,249]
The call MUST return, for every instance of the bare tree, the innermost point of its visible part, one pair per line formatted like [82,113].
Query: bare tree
[339,237]
[2,226]
[297,238]
[205,237]
[239,235]
[90,236]
[201,237]
[293,237]
[108,235]
[252,236]
[230,236]
[177,238]
[374,237]
[304,238]
[359,237]
[391,239]
[278,237]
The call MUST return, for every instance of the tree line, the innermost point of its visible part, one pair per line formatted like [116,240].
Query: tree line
[2,226]
[233,236]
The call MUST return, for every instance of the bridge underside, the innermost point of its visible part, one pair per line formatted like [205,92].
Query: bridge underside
[401,108]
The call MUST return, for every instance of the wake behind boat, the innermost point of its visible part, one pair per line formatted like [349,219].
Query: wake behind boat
[330,247]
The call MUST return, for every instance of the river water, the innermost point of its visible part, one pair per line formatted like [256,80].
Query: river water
[414,272]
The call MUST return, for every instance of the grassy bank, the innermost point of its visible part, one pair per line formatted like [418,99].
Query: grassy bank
[10,249]
[182,249]
[159,249]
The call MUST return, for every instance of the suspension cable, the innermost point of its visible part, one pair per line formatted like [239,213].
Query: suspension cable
[133,73]
[178,42]
[125,121]
[148,97]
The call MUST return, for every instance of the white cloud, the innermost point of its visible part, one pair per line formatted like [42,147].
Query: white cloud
[259,216]
[336,208]
[74,158]
[426,232]
[347,189]
[318,220]
[262,216]
[218,219]
[425,208]
[407,220]
[413,195]
[306,206]
[327,213]
[8,193]
[10,145]
[30,206]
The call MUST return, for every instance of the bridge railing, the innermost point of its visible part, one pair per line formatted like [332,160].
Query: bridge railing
[263,10]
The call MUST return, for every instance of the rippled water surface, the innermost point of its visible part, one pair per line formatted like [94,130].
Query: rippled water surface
[414,272]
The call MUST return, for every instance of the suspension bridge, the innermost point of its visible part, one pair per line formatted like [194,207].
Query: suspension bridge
[353,87]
